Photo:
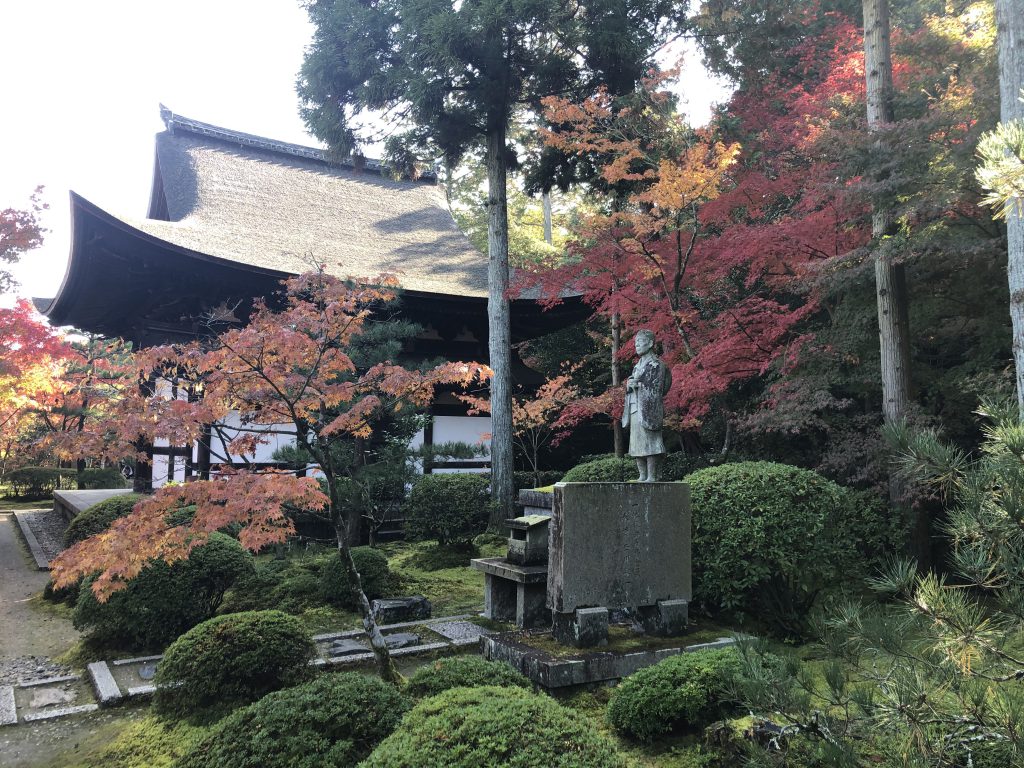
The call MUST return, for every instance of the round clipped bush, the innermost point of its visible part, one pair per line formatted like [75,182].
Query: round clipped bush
[495,727]
[769,537]
[451,508]
[98,517]
[463,672]
[232,659]
[610,470]
[163,600]
[681,690]
[100,478]
[373,573]
[333,721]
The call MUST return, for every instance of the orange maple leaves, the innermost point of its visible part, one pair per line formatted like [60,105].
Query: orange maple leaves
[287,366]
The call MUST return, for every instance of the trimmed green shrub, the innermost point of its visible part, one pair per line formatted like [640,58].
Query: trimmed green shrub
[544,478]
[769,537]
[330,722]
[451,508]
[609,470]
[163,600]
[232,659]
[463,672]
[39,482]
[98,517]
[681,690]
[100,478]
[334,586]
[494,727]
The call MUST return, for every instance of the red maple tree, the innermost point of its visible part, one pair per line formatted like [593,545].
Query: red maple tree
[287,368]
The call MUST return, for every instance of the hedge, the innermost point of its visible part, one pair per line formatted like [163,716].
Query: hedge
[229,660]
[330,722]
[681,690]
[99,516]
[451,508]
[463,672]
[494,727]
[164,600]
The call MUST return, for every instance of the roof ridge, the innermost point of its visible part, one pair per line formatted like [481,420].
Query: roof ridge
[175,121]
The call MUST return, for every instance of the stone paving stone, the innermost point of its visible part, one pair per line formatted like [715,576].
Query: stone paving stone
[136,660]
[459,631]
[42,561]
[402,640]
[47,681]
[8,715]
[104,684]
[49,715]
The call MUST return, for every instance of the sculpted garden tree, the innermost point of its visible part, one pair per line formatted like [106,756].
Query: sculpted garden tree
[288,367]
[458,74]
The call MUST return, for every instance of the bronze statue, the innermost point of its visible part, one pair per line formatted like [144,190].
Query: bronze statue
[645,410]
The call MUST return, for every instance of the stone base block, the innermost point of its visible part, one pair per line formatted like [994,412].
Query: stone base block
[586,668]
[582,628]
[668,618]
[399,609]
[515,602]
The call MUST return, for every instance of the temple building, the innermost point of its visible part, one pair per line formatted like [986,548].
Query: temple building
[232,214]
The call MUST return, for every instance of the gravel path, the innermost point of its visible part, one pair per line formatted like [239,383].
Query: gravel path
[29,634]
[48,525]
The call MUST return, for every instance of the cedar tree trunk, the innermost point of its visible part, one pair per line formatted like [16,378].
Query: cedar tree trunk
[1010,41]
[499,330]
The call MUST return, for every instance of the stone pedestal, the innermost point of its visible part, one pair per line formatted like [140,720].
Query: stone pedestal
[619,545]
[583,628]
[514,593]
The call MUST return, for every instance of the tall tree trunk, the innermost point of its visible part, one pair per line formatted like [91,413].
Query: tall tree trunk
[499,329]
[1010,41]
[890,277]
[548,238]
[618,434]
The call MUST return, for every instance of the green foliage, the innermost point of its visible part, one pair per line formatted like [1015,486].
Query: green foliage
[100,478]
[688,689]
[610,470]
[496,727]
[769,537]
[1001,171]
[543,478]
[934,663]
[373,573]
[38,482]
[448,507]
[163,600]
[231,659]
[98,517]
[150,742]
[463,672]
[330,722]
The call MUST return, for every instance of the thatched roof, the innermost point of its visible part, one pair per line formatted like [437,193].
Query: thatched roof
[271,205]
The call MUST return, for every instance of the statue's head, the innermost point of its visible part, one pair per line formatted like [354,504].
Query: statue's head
[644,341]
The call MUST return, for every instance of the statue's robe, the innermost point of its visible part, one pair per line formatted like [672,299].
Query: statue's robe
[645,409]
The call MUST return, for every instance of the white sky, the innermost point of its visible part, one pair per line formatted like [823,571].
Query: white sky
[85,78]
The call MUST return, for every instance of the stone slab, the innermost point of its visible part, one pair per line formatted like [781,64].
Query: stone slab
[392,609]
[8,713]
[535,502]
[42,563]
[385,627]
[142,690]
[402,640]
[460,631]
[586,668]
[619,545]
[346,647]
[63,712]
[502,568]
[72,503]
[51,697]
[136,660]
[47,681]
[103,683]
